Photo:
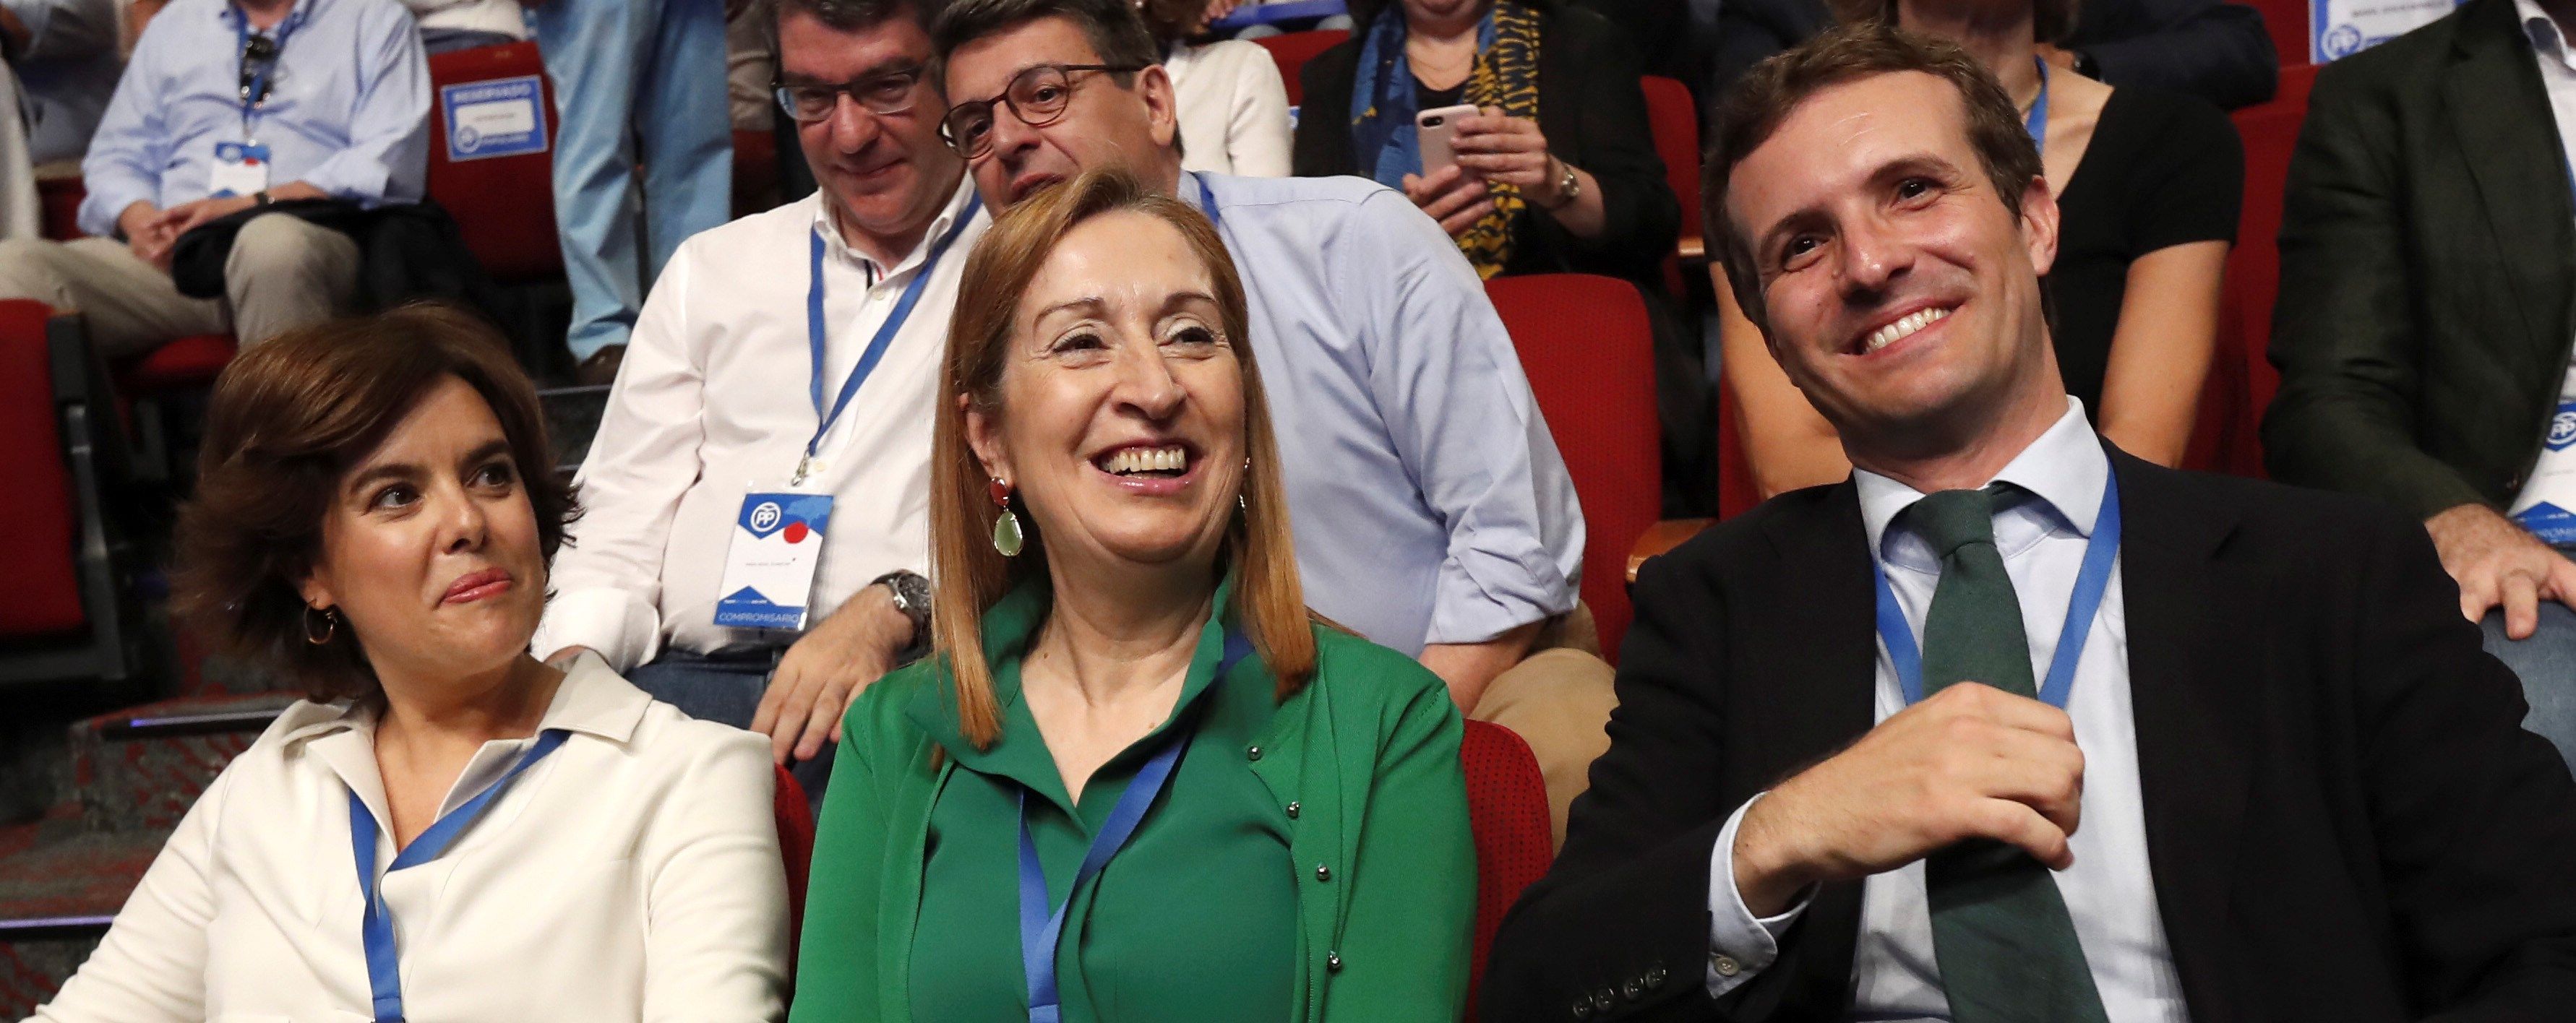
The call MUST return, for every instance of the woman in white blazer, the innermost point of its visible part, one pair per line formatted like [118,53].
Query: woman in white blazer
[1233,104]
[375,508]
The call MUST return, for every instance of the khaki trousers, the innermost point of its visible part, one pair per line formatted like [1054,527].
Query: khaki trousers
[282,273]
[1558,700]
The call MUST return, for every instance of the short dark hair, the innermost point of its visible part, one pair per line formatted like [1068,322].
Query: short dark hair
[842,15]
[1765,96]
[1116,34]
[288,419]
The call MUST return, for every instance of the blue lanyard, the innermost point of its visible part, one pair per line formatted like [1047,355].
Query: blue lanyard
[377,927]
[2100,554]
[816,333]
[1042,931]
[2037,122]
[257,95]
[1207,202]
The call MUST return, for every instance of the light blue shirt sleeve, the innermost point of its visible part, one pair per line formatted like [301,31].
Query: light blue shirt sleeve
[1740,945]
[387,158]
[132,144]
[1461,414]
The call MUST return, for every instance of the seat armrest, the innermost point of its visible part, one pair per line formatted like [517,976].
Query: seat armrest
[1660,537]
[1692,250]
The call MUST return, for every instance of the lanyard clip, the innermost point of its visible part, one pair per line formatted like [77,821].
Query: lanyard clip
[804,467]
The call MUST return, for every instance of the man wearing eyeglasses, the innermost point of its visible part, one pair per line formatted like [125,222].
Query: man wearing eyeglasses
[790,352]
[1433,514]
[228,106]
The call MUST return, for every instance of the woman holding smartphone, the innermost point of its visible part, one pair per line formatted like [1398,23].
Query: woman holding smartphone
[1554,167]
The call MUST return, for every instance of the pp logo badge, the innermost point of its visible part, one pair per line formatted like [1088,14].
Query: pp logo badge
[765,517]
[2342,41]
[2562,428]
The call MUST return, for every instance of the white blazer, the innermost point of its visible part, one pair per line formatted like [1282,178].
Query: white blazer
[1233,109]
[633,875]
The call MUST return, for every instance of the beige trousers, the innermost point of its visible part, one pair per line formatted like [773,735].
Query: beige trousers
[282,274]
[1558,700]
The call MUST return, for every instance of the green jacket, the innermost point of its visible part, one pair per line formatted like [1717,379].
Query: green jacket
[2428,271]
[1369,748]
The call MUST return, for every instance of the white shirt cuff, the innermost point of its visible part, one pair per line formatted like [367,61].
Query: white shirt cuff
[1740,944]
[625,631]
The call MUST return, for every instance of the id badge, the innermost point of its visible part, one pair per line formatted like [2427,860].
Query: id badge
[2554,477]
[769,567]
[241,168]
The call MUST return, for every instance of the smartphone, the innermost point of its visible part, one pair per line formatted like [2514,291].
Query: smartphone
[1436,128]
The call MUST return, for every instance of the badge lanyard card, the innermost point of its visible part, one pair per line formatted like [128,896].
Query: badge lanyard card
[241,168]
[778,536]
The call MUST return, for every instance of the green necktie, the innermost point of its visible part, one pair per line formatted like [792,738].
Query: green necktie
[2000,931]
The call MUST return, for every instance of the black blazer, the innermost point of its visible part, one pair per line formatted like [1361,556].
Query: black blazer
[2344,820]
[1594,116]
[2428,271]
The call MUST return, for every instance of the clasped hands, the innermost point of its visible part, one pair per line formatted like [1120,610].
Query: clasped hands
[1491,147]
[152,233]
[1969,762]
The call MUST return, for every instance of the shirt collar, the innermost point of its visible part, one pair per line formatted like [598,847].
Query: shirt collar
[1238,710]
[827,219]
[593,700]
[230,14]
[2065,469]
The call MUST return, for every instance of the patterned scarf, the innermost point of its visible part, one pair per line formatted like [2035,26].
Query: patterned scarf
[1383,104]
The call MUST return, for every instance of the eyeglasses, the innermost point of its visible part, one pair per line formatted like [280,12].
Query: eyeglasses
[890,92]
[258,60]
[1036,96]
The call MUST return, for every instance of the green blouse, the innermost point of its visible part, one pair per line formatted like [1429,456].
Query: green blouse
[1309,860]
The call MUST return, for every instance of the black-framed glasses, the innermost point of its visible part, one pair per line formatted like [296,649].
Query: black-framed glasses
[1037,96]
[258,69]
[886,92]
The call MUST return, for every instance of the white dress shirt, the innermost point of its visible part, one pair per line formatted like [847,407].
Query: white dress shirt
[1233,109]
[2109,891]
[632,875]
[713,402]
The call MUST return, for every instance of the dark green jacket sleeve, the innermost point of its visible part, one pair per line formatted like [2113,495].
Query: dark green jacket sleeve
[1413,897]
[838,958]
[2345,331]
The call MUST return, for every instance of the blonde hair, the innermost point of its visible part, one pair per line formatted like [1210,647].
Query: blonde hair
[968,575]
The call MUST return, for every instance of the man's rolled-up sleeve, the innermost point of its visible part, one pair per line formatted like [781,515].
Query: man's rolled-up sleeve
[1463,419]
[126,154]
[387,158]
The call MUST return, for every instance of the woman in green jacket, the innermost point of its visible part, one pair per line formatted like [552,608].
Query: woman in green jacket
[1135,757]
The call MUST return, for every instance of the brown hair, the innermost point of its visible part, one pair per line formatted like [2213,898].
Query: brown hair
[1766,95]
[1170,21]
[968,575]
[288,419]
[2051,21]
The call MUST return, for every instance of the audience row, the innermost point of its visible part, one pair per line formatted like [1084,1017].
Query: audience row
[1989,715]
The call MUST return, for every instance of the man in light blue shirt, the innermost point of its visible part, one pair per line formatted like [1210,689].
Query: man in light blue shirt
[226,107]
[1432,511]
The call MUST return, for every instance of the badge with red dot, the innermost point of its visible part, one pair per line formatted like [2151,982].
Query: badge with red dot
[769,566]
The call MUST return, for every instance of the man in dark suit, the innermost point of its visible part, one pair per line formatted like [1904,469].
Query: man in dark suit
[2427,309]
[2140,745]
[2213,49]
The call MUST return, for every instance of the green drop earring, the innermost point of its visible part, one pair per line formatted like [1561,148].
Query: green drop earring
[1006,528]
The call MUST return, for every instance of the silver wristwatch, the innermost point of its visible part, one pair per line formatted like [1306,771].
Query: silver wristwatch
[911,595]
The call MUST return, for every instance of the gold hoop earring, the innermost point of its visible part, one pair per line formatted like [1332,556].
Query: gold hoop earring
[330,625]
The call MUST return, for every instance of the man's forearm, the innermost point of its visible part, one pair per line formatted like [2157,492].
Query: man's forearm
[1469,667]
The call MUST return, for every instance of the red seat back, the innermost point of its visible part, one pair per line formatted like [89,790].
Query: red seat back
[796,846]
[1291,51]
[1589,351]
[1736,493]
[504,205]
[2287,20]
[1675,123]
[60,201]
[1507,810]
[43,596]
[189,363]
[2271,134]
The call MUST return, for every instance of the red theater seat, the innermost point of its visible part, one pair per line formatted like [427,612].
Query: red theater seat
[1675,122]
[1507,810]
[504,205]
[188,363]
[2271,133]
[1589,351]
[795,816]
[43,596]
[60,200]
[1291,50]
[2287,20]
[65,614]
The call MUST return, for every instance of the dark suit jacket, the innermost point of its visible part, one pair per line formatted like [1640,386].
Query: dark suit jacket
[2428,271]
[2344,820]
[1594,116]
[2215,50]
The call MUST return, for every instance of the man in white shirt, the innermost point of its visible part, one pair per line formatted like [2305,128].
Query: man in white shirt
[713,404]
[2013,727]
